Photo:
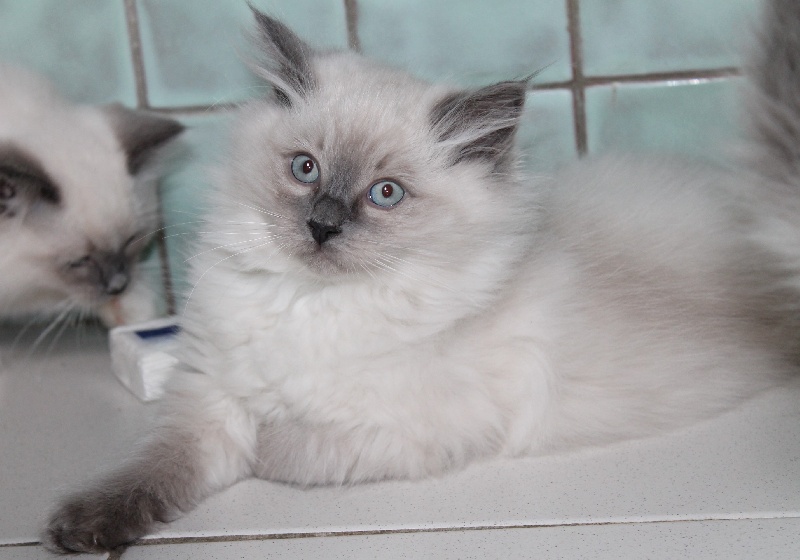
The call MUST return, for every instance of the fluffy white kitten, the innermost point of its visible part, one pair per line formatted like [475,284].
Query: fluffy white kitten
[384,295]
[77,202]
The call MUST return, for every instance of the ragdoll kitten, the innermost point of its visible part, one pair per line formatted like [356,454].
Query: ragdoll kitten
[382,294]
[77,202]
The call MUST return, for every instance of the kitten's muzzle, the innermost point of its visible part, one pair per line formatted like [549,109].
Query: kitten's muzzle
[108,273]
[327,216]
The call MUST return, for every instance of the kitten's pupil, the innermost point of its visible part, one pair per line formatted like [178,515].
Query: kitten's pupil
[387,190]
[308,166]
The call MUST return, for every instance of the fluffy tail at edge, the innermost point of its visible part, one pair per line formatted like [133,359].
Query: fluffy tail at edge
[772,117]
[773,102]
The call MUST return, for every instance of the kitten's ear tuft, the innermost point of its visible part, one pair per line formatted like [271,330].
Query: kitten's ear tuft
[287,64]
[480,124]
[141,134]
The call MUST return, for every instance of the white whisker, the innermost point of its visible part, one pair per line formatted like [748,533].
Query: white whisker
[68,306]
[189,297]
[263,211]
[228,245]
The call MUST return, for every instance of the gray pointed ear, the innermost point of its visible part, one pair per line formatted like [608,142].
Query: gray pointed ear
[141,135]
[480,124]
[287,59]
[24,184]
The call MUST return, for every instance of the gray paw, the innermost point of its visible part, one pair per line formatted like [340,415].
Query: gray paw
[99,522]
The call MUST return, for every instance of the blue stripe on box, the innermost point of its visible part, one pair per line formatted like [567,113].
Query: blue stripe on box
[159,332]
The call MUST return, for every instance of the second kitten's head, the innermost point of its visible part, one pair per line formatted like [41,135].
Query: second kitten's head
[353,170]
[77,196]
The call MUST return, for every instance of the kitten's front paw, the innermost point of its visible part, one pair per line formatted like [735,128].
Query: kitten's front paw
[97,522]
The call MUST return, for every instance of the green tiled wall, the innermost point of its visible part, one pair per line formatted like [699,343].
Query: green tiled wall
[195,51]
[184,191]
[690,118]
[651,67]
[83,45]
[636,36]
[468,41]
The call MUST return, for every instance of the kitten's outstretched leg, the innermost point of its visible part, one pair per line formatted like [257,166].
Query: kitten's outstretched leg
[205,445]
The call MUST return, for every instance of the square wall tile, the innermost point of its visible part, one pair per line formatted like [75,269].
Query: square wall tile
[184,193]
[81,45]
[685,117]
[634,36]
[545,137]
[468,41]
[196,53]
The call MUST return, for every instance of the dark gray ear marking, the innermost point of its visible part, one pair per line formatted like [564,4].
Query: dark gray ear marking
[482,122]
[23,182]
[288,58]
[141,134]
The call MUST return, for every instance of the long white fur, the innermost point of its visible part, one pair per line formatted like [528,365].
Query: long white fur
[495,322]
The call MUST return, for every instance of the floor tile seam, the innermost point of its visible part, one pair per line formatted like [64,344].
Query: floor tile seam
[632,521]
[677,519]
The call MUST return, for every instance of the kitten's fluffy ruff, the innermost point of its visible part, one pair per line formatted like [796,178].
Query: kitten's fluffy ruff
[485,315]
[101,206]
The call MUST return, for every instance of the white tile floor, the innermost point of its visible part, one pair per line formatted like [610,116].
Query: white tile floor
[726,489]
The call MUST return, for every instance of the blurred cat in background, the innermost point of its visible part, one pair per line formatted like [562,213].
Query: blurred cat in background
[78,203]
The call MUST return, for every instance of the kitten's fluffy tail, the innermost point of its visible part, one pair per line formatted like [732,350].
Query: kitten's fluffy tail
[773,102]
[772,110]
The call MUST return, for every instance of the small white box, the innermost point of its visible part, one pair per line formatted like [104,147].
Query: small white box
[143,356]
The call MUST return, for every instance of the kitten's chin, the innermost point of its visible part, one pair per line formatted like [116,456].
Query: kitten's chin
[327,262]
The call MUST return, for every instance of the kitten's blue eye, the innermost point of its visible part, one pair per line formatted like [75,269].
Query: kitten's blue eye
[386,194]
[305,169]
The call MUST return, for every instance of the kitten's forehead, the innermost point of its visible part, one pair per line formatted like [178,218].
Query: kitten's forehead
[362,98]
[361,114]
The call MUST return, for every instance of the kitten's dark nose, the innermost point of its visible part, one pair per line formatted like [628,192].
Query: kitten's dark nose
[322,232]
[327,216]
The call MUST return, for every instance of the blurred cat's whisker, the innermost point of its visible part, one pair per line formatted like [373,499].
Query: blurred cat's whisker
[155,231]
[24,329]
[61,316]
[68,320]
[37,318]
